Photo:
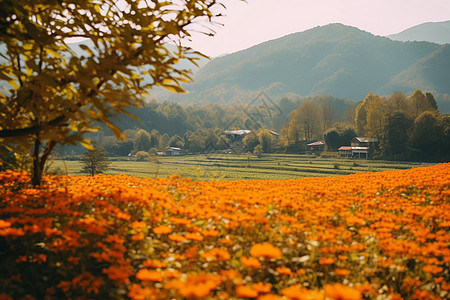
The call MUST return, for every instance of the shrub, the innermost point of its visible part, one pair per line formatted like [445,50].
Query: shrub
[142,156]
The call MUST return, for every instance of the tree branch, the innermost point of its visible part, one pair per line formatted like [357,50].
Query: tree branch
[4,133]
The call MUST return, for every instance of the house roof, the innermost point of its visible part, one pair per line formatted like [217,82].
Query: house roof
[319,143]
[174,149]
[348,148]
[365,139]
[345,148]
[238,132]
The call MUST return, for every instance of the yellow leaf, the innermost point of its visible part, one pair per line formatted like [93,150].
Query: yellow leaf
[13,84]
[87,144]
[173,88]
[87,49]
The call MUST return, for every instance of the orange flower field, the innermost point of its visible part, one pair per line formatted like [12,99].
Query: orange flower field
[365,236]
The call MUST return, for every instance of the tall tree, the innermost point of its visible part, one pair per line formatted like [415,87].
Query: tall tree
[377,113]
[327,114]
[431,102]
[309,119]
[361,114]
[398,102]
[164,141]
[394,140]
[425,135]
[265,140]
[54,93]
[419,103]
[143,141]
[332,139]
[176,141]
[293,129]
[251,140]
[94,161]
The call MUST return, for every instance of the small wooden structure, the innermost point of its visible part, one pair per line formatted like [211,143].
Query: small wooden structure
[361,147]
[173,151]
[345,151]
[236,135]
[315,147]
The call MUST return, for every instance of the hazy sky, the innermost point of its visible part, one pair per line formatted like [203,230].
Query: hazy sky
[256,21]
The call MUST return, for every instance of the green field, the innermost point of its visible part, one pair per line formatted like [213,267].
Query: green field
[237,167]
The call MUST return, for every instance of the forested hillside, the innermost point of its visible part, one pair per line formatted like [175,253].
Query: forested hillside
[335,59]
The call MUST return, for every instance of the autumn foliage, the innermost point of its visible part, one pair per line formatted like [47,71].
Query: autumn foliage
[364,236]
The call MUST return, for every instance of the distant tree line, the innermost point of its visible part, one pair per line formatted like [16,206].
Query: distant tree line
[408,128]
[199,128]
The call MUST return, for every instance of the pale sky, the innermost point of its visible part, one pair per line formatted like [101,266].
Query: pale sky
[255,21]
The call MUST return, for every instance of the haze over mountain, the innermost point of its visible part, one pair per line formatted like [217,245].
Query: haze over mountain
[335,59]
[434,32]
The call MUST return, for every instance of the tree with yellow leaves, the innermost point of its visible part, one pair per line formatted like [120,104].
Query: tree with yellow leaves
[53,95]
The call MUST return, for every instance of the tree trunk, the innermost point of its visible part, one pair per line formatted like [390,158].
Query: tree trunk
[40,160]
[37,173]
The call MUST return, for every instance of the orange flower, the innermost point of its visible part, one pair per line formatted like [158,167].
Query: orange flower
[210,232]
[353,220]
[326,261]
[163,229]
[251,262]
[137,237]
[177,238]
[179,221]
[4,224]
[138,225]
[232,275]
[199,286]
[222,295]
[270,297]
[137,292]
[246,291]
[300,272]
[262,287]
[284,271]
[226,241]
[149,275]
[432,269]
[265,250]
[195,236]
[217,254]
[74,260]
[298,292]
[342,272]
[342,292]
[191,252]
[153,263]
[119,273]
[171,274]
[343,257]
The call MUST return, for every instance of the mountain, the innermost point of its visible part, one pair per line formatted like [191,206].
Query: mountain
[434,32]
[430,73]
[335,59]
